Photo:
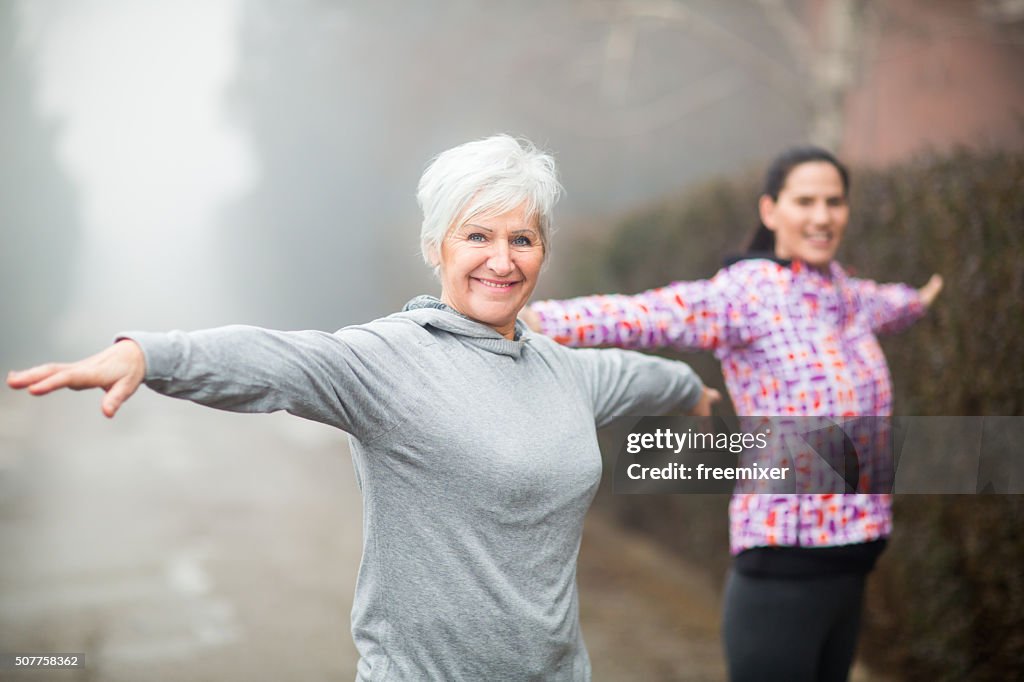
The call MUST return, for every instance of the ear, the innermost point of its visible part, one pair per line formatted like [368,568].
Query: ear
[434,255]
[766,207]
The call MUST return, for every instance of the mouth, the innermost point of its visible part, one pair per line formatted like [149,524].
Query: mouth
[497,284]
[820,239]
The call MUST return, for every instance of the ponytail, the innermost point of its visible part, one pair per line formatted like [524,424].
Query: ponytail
[762,241]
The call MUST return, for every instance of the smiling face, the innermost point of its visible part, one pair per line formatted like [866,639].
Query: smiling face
[810,215]
[489,266]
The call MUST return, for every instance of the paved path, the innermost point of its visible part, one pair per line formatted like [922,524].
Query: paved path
[177,543]
[645,615]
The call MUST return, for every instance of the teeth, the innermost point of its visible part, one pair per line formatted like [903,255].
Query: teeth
[496,285]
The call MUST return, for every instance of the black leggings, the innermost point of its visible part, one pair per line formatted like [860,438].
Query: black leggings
[792,630]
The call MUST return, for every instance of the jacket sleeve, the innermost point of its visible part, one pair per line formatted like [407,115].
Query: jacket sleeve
[890,308]
[698,315]
[624,383]
[328,378]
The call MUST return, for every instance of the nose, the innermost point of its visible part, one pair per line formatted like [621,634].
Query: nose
[821,214]
[500,259]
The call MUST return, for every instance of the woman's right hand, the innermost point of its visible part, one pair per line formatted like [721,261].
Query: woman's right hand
[530,318]
[118,370]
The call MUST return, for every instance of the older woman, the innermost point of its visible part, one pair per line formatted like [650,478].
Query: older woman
[473,439]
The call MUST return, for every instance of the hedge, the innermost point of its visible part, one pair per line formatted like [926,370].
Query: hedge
[947,599]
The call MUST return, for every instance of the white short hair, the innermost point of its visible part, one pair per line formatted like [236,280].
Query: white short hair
[485,177]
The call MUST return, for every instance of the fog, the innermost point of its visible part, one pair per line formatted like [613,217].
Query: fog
[186,164]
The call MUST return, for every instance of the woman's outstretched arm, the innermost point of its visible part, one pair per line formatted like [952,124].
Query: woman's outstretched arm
[341,379]
[625,383]
[894,307]
[697,315]
[118,370]
[685,315]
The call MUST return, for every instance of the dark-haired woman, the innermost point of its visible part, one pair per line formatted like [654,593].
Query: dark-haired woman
[796,335]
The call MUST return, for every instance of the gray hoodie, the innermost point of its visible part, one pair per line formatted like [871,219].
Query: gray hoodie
[477,459]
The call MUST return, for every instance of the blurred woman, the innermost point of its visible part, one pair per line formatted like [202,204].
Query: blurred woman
[473,439]
[796,336]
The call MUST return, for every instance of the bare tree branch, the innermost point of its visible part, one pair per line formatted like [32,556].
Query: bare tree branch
[678,13]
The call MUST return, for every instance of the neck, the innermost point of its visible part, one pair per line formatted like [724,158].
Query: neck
[824,268]
[508,331]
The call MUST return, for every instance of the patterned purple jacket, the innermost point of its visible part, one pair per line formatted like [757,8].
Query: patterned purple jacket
[793,341]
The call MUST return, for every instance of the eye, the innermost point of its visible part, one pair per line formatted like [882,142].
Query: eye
[805,201]
[476,237]
[522,241]
[836,202]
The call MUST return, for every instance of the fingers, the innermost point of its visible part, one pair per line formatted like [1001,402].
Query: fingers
[118,393]
[708,397]
[930,290]
[119,370]
[26,377]
[76,376]
[62,378]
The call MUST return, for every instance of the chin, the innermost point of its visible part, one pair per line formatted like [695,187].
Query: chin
[495,318]
[817,259]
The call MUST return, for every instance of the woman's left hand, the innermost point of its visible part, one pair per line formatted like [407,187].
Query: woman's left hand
[708,397]
[930,290]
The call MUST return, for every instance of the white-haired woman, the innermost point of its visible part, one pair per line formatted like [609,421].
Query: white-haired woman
[473,439]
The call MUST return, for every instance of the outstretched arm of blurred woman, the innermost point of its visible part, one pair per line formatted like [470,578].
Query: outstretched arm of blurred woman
[118,370]
[697,315]
[892,308]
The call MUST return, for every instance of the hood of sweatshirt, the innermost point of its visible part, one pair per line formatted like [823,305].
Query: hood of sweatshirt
[429,311]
